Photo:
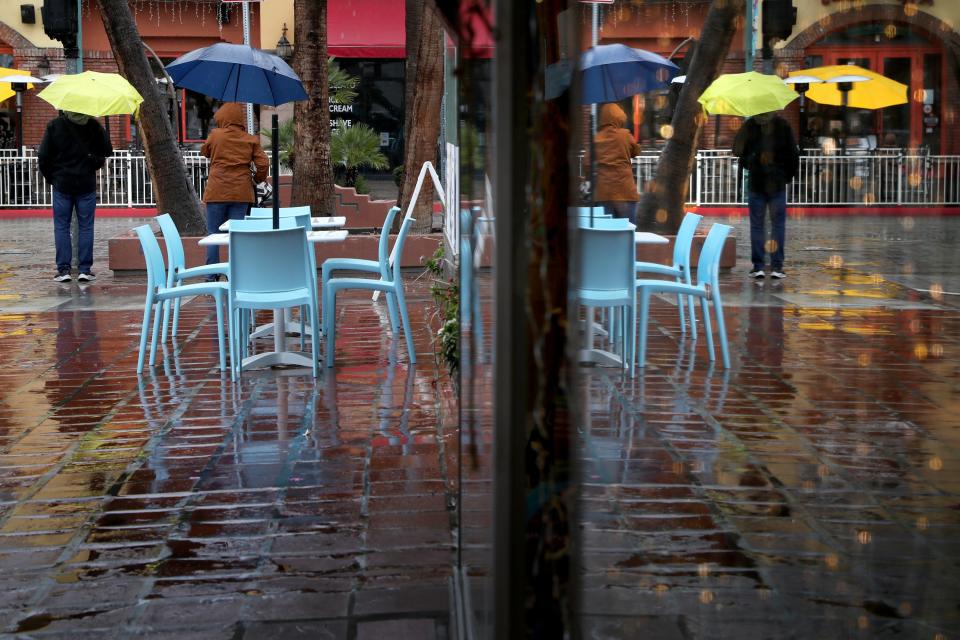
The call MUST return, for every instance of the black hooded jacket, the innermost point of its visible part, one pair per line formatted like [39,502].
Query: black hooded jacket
[71,154]
[769,153]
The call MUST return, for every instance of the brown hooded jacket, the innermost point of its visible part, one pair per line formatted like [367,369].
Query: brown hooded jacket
[231,150]
[614,147]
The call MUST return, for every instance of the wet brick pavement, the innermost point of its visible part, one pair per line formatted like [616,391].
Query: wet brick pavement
[809,492]
[182,504]
[813,491]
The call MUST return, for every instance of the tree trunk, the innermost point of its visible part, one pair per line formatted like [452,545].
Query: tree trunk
[423,125]
[662,207]
[312,169]
[413,16]
[171,187]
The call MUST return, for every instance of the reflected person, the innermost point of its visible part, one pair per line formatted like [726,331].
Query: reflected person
[615,149]
[766,148]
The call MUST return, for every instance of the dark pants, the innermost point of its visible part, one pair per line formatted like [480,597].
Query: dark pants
[758,203]
[63,207]
[621,209]
[217,214]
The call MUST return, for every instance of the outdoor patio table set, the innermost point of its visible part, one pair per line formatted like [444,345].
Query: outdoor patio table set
[271,269]
[609,277]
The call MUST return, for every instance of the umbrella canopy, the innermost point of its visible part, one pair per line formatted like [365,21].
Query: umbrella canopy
[746,94]
[6,88]
[93,93]
[237,73]
[612,72]
[875,93]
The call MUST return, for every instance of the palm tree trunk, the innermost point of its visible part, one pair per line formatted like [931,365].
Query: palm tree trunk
[662,207]
[164,161]
[312,170]
[423,126]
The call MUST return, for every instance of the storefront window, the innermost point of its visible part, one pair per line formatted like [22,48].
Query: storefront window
[379,103]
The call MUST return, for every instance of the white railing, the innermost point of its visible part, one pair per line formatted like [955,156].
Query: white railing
[124,180]
[886,177]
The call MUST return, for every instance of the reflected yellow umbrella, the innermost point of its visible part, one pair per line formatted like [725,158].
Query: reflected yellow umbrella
[875,93]
[746,94]
[6,90]
[93,93]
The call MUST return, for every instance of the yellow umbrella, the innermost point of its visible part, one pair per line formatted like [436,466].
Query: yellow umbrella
[93,93]
[5,87]
[876,93]
[746,94]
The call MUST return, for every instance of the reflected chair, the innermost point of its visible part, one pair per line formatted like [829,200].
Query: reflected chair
[177,270]
[707,289]
[270,269]
[680,269]
[390,283]
[158,293]
[606,276]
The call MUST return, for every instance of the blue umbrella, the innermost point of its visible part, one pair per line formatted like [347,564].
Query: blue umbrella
[240,73]
[612,72]
[237,73]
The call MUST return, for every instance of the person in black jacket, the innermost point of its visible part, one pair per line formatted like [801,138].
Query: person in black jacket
[766,148]
[73,149]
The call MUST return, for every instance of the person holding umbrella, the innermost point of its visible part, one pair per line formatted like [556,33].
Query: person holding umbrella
[615,149]
[74,147]
[229,192]
[766,148]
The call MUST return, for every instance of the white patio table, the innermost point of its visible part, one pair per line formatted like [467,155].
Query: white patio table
[603,357]
[280,355]
[322,222]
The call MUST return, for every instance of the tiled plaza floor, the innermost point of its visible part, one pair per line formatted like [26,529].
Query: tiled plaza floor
[183,504]
[813,491]
[809,492]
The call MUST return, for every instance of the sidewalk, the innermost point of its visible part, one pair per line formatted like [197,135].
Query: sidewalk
[811,491]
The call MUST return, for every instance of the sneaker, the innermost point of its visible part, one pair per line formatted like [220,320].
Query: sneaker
[213,278]
[779,275]
[86,277]
[62,276]
[757,274]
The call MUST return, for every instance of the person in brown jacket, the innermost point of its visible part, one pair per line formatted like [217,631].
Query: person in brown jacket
[229,191]
[614,148]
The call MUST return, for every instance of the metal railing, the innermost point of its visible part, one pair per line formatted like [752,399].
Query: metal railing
[883,177]
[124,180]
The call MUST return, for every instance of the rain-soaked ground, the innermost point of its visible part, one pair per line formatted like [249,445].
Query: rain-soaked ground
[809,492]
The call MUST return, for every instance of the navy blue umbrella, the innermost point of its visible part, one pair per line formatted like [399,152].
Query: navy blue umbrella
[612,72]
[240,73]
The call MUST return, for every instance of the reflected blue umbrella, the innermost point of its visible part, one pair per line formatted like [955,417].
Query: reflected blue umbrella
[240,73]
[612,72]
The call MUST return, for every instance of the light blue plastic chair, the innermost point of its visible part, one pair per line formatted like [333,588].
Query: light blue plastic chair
[285,212]
[390,283]
[584,212]
[707,289]
[606,277]
[286,222]
[177,270]
[680,269]
[270,269]
[158,293]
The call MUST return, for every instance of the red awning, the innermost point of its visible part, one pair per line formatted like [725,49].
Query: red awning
[366,29]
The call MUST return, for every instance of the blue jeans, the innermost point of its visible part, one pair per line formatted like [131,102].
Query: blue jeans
[621,209]
[63,206]
[758,203]
[217,214]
